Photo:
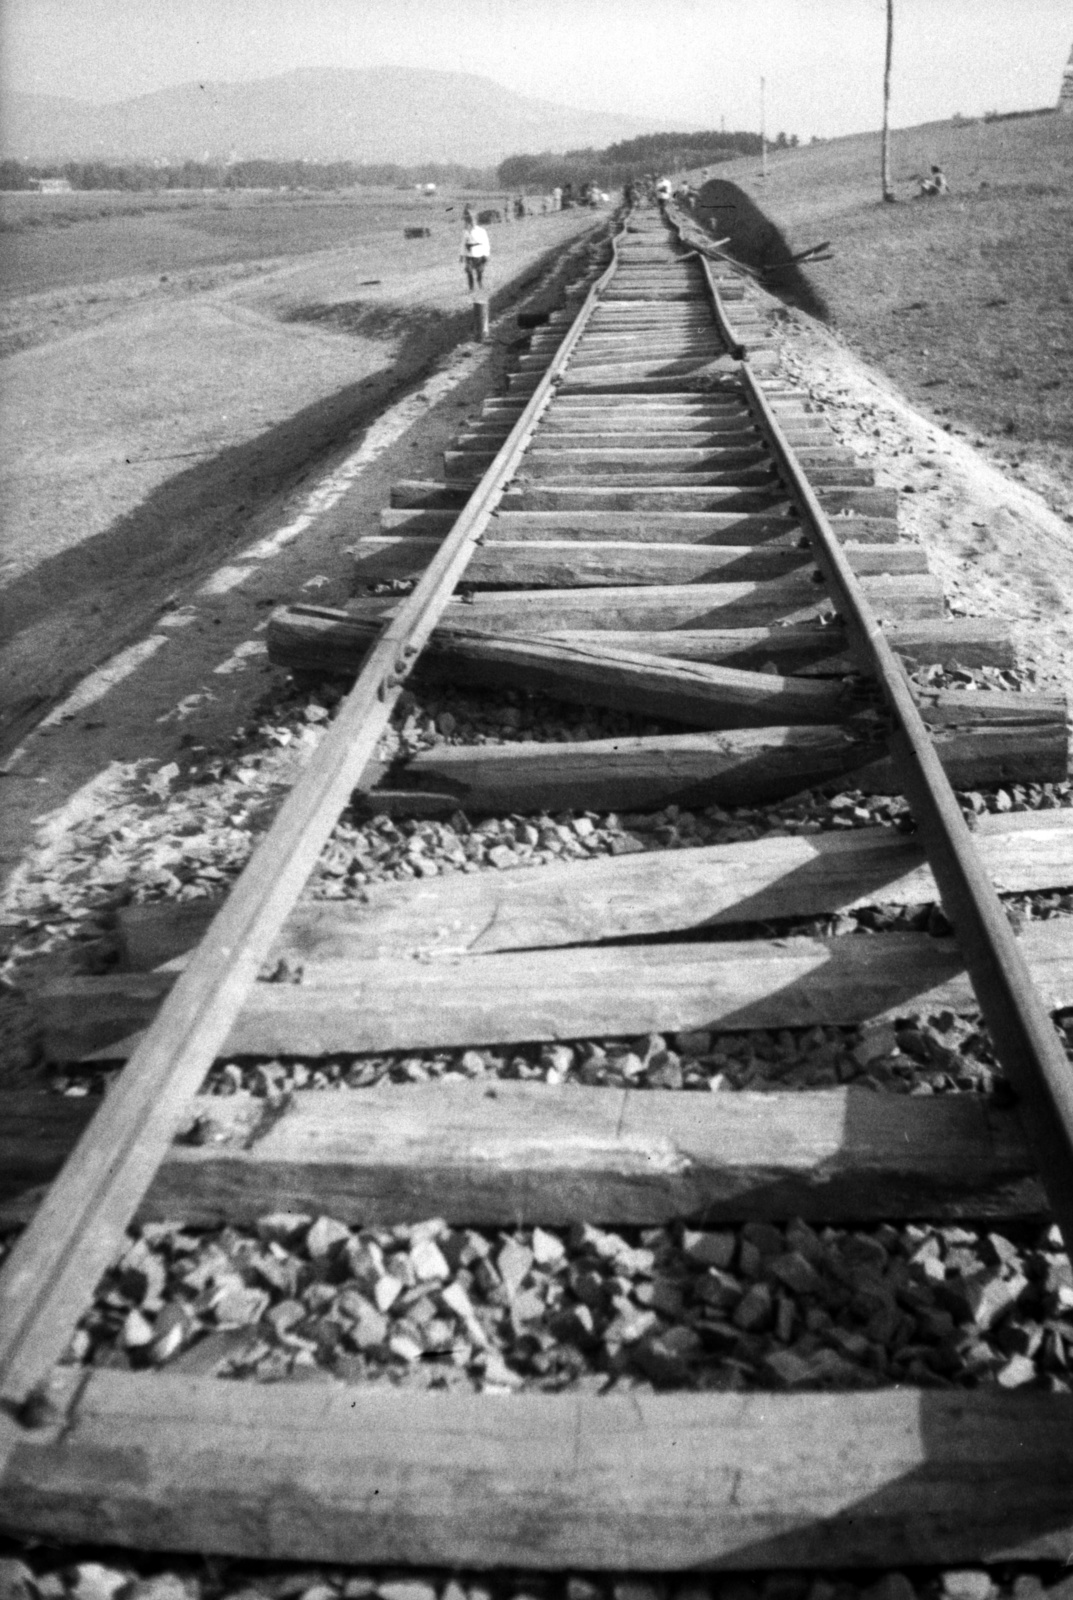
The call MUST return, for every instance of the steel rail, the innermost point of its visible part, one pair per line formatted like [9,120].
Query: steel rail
[722,321]
[1024,1037]
[77,1231]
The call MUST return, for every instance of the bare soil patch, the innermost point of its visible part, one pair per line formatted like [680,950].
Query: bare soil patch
[152,423]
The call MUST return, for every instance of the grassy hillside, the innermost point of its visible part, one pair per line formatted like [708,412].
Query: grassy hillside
[966,302]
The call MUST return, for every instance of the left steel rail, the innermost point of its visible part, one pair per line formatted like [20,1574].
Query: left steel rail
[78,1229]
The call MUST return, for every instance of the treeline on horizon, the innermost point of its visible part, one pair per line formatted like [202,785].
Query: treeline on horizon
[632,158]
[254,174]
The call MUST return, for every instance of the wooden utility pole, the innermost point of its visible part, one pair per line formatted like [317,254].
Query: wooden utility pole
[888,183]
[763,133]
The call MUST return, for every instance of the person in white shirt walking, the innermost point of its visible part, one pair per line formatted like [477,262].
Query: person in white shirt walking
[476,249]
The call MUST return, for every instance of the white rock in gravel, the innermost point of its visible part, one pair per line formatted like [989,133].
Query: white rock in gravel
[989,1295]
[405,1347]
[406,1589]
[548,1250]
[457,1300]
[386,1291]
[454,1591]
[428,1262]
[324,1235]
[513,1263]
[137,1331]
[358,1585]
[92,1581]
[1018,1370]
[320,1591]
[967,1583]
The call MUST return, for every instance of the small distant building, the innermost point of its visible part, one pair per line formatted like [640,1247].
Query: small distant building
[1065,96]
[51,185]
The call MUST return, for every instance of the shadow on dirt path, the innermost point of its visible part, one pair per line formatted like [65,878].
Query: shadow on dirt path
[62,618]
[75,609]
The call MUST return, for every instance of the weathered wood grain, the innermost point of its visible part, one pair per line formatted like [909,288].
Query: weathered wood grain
[346,1006]
[535,1153]
[618,897]
[576,563]
[805,647]
[732,767]
[698,694]
[369,1474]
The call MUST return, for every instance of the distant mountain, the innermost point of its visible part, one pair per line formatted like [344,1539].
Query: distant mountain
[375,114]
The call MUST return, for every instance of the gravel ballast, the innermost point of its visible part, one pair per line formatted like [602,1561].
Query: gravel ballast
[753,1307]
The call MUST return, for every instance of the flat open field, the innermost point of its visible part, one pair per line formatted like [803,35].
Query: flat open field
[174,373]
[967,301]
[51,241]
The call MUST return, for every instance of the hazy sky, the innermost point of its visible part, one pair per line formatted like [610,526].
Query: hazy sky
[684,63]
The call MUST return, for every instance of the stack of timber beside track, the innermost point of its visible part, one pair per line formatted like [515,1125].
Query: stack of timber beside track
[646,554]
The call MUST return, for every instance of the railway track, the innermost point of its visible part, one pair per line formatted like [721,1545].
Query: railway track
[649,521]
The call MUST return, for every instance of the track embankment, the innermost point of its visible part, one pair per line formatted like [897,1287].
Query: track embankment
[619,1117]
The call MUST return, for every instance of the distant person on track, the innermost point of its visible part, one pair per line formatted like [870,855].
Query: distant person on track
[935,184]
[476,249]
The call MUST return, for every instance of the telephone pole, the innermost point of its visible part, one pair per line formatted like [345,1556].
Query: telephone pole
[763,131]
[888,184]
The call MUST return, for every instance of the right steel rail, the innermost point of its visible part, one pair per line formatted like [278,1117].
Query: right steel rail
[1024,1036]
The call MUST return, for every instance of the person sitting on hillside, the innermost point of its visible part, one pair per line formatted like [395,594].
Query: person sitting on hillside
[476,249]
[936,184]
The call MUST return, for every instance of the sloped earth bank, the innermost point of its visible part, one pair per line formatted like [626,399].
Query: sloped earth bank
[159,425]
[995,544]
[180,821]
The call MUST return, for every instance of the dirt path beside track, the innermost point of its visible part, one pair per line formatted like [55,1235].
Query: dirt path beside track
[157,428]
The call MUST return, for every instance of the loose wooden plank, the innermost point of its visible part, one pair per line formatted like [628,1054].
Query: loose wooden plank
[562,460]
[551,497]
[703,527]
[535,1153]
[617,897]
[419,494]
[370,1474]
[698,694]
[735,767]
[794,598]
[653,527]
[569,563]
[348,1006]
[950,641]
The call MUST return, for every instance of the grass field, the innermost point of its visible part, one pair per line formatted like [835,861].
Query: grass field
[56,241]
[967,302]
